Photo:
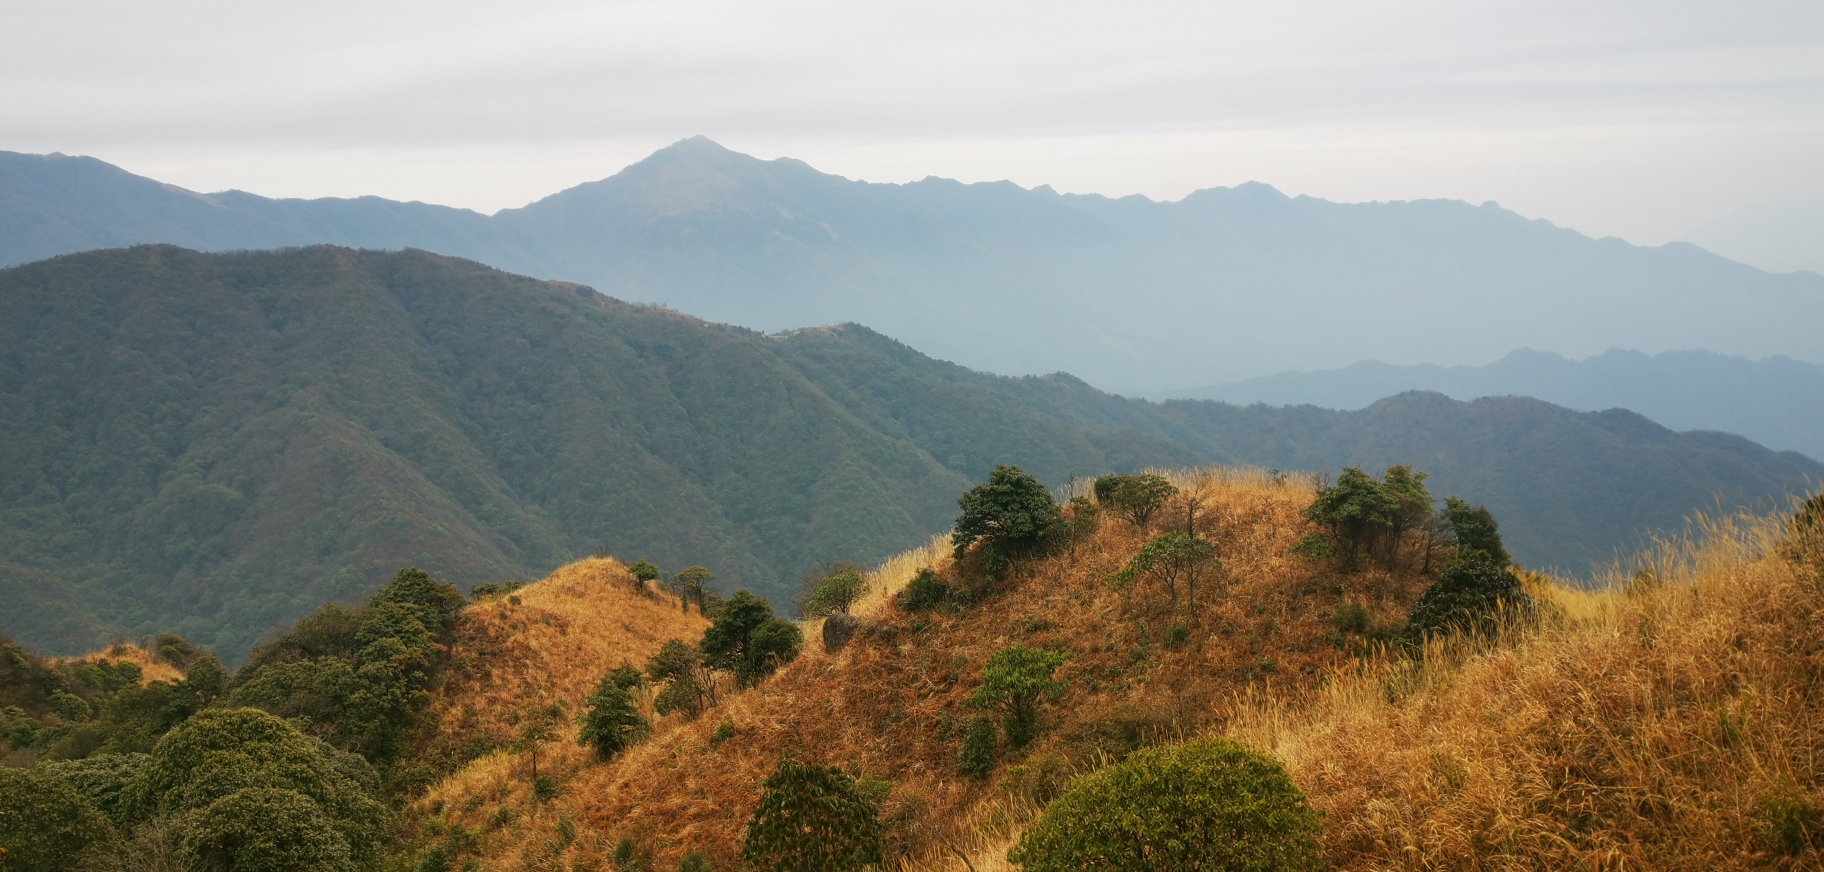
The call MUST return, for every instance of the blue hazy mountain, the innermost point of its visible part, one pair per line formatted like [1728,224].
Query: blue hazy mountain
[1778,402]
[1129,293]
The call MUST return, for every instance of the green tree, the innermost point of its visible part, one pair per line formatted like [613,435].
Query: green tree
[1012,514]
[1206,805]
[613,723]
[1014,681]
[923,591]
[833,591]
[644,571]
[687,683]
[46,826]
[976,759]
[1365,516]
[812,819]
[747,641]
[1134,497]
[266,829]
[1171,558]
[221,752]
[691,587]
[1475,531]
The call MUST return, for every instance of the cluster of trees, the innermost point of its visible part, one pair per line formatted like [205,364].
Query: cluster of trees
[1393,522]
[69,710]
[230,788]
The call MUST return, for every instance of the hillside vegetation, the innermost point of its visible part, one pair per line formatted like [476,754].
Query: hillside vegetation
[213,445]
[1665,722]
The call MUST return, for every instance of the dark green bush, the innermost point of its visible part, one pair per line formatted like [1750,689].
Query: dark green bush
[1475,531]
[613,723]
[1210,805]
[976,759]
[46,826]
[1369,517]
[747,641]
[924,591]
[812,819]
[694,862]
[1012,514]
[1470,595]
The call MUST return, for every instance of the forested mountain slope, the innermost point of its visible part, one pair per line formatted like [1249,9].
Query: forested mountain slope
[1778,402]
[1129,294]
[213,444]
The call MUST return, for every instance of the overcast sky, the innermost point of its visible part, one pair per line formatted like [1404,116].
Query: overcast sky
[1636,119]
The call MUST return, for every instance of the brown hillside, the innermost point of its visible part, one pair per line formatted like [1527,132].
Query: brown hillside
[151,666]
[894,710]
[545,644]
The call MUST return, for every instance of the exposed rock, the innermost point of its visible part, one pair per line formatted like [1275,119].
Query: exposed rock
[838,630]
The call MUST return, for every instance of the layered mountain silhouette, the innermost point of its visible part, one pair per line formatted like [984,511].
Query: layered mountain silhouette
[1777,402]
[217,443]
[1129,293]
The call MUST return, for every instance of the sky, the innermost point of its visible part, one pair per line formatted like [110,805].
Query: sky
[1643,120]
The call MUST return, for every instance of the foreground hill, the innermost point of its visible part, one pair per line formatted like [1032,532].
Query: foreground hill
[1130,293]
[1777,402]
[1662,723]
[214,444]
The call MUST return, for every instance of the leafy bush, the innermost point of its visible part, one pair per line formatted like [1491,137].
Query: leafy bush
[46,826]
[691,587]
[1134,497]
[694,862]
[687,683]
[613,723]
[1012,514]
[266,829]
[977,756]
[812,819]
[832,592]
[923,591]
[1475,531]
[747,641]
[1013,682]
[644,571]
[1202,805]
[1469,595]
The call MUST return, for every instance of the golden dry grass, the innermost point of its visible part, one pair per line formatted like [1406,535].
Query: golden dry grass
[895,709]
[1647,727]
[151,667]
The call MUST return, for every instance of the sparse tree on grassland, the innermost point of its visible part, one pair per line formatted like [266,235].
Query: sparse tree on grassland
[687,684]
[613,723]
[690,586]
[1014,680]
[1134,497]
[833,591]
[747,641]
[1171,558]
[1012,514]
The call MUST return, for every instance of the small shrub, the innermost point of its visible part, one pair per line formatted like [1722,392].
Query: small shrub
[812,819]
[694,862]
[832,592]
[544,788]
[924,591]
[724,732]
[1792,821]
[976,759]
[1202,805]
[1468,596]
[1351,618]
[1136,498]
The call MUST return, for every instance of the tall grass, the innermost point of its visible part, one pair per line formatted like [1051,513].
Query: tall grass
[1669,721]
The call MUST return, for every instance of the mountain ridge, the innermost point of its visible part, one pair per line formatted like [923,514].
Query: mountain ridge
[1129,293]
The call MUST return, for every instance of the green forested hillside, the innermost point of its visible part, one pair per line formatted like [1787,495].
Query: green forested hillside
[214,444]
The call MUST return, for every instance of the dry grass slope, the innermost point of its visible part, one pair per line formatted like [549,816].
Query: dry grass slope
[1676,722]
[895,710]
[151,666]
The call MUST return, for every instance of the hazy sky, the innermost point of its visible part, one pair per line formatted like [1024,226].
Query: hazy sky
[1637,119]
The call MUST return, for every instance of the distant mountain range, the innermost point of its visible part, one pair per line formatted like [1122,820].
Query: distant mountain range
[1777,402]
[215,444]
[1130,294]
